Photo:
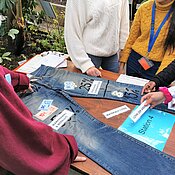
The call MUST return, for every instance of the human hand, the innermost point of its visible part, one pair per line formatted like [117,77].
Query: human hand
[80,159]
[149,87]
[93,71]
[153,98]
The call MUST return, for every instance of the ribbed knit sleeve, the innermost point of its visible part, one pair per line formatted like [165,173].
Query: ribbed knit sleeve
[124,26]
[135,32]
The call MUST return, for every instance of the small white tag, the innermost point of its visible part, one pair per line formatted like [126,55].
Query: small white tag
[116,111]
[136,114]
[45,105]
[95,87]
[8,78]
[69,85]
[60,119]
[171,105]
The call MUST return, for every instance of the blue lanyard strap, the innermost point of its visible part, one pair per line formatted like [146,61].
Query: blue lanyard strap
[153,36]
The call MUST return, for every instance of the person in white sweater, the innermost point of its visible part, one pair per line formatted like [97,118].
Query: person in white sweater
[95,31]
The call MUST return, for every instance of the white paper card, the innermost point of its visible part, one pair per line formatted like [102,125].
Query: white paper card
[116,111]
[52,60]
[136,114]
[171,105]
[95,87]
[60,119]
[131,80]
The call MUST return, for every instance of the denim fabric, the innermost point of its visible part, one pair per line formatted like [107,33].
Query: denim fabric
[110,63]
[55,79]
[115,151]
[134,68]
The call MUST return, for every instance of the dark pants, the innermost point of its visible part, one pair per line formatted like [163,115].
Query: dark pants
[135,69]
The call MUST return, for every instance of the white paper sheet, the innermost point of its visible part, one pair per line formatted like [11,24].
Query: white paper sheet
[50,59]
[132,80]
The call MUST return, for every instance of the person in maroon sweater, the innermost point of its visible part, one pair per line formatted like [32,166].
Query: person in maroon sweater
[28,147]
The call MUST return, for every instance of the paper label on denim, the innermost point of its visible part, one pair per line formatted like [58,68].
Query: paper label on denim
[116,111]
[69,85]
[60,119]
[153,128]
[45,105]
[95,87]
[42,115]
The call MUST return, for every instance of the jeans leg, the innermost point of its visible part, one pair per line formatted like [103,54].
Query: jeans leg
[115,151]
[111,63]
[96,60]
[56,78]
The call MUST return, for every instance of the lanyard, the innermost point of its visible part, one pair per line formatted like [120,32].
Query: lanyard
[153,36]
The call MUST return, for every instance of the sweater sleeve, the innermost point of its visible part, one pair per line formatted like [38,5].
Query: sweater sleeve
[19,81]
[29,147]
[124,26]
[166,76]
[172,91]
[75,22]
[135,32]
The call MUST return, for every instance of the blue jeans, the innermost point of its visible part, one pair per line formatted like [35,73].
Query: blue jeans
[109,89]
[107,63]
[133,67]
[115,151]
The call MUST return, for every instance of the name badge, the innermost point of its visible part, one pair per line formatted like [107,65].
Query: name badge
[145,63]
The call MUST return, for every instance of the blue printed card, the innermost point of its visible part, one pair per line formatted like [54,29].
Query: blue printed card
[45,105]
[153,128]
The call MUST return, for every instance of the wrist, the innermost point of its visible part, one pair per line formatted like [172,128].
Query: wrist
[168,96]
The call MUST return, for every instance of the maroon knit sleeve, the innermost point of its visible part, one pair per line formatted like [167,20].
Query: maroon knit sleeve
[19,81]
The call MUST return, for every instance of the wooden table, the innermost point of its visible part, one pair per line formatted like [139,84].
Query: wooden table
[96,107]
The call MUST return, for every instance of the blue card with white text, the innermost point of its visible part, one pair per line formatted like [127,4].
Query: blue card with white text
[153,128]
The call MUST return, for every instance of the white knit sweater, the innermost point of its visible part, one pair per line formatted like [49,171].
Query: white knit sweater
[97,27]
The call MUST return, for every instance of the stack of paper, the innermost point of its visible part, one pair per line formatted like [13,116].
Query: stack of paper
[52,59]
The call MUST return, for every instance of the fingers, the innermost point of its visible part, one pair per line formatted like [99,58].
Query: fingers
[80,159]
[149,87]
[30,88]
[93,72]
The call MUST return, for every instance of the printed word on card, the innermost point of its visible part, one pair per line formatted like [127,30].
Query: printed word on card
[116,111]
[136,114]
[95,87]
[60,119]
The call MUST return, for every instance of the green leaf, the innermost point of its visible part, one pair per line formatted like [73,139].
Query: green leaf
[13,32]
[7,58]
[6,54]
[1,60]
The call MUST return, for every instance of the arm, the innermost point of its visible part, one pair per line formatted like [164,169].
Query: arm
[75,22]
[164,95]
[124,25]
[165,77]
[19,81]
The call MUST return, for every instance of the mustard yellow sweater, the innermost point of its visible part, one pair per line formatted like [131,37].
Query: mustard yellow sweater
[140,33]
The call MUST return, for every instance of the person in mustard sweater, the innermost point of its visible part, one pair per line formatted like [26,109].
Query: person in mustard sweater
[151,43]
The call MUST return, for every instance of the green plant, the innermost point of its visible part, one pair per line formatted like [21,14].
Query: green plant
[5,56]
